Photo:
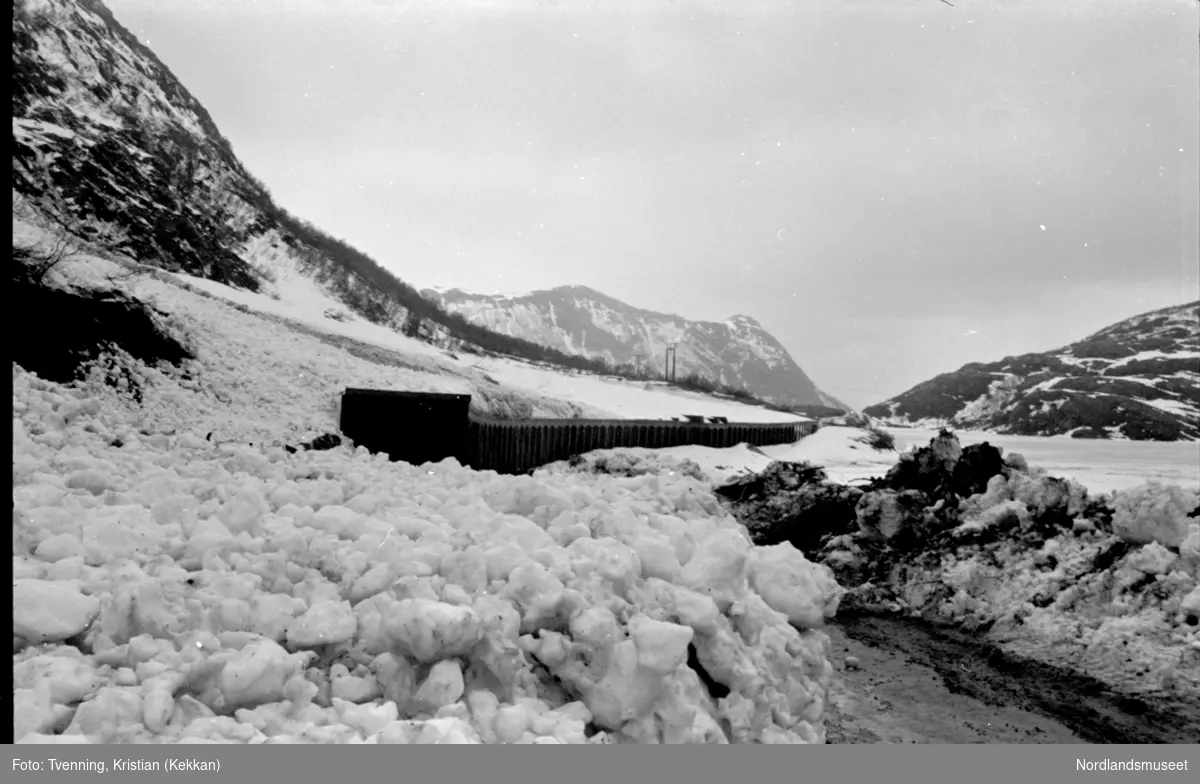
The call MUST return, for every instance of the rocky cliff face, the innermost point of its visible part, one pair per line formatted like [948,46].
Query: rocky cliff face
[580,321]
[1137,379]
[110,146]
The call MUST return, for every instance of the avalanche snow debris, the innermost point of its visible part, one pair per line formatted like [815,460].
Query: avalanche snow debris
[227,593]
[1103,586]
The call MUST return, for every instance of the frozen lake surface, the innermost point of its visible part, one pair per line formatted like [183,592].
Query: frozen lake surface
[1101,466]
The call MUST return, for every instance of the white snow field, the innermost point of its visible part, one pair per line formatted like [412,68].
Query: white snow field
[1100,466]
[171,588]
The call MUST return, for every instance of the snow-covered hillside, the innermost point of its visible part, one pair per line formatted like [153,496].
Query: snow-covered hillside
[107,140]
[578,320]
[1137,379]
[115,148]
[302,338]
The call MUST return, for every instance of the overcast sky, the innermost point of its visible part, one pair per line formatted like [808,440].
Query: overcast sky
[892,187]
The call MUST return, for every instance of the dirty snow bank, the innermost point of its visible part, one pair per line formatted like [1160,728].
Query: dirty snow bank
[979,541]
[169,589]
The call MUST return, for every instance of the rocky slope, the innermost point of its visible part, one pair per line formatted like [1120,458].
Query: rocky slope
[110,147]
[581,321]
[115,148]
[1137,379]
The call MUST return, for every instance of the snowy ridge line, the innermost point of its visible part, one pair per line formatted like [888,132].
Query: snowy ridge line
[580,321]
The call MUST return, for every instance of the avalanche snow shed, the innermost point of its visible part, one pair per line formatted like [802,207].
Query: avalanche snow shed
[416,427]
[421,427]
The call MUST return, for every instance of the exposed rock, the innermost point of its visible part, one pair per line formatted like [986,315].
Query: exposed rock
[323,442]
[88,326]
[885,515]
[792,502]
[977,464]
[929,469]
[320,443]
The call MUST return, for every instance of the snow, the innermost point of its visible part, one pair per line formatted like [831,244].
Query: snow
[1156,354]
[625,399]
[1174,407]
[225,590]
[1042,386]
[1099,465]
[210,579]
[1000,392]
[177,587]
[27,129]
[840,452]
[302,301]
[1108,600]
[721,465]
[252,352]
[1149,382]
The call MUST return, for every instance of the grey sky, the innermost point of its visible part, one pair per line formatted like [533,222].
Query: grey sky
[892,187]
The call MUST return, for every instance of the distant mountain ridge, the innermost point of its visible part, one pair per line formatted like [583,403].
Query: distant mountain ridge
[582,321]
[1138,379]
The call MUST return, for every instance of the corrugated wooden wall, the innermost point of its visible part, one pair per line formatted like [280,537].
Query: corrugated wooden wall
[513,447]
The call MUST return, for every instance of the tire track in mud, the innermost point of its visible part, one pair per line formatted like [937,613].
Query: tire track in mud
[915,683]
[884,695]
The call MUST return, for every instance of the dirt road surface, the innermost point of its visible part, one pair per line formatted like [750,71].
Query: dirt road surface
[890,697]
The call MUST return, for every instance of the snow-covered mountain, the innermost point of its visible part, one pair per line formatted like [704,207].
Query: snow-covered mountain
[114,149]
[109,142]
[581,321]
[1137,379]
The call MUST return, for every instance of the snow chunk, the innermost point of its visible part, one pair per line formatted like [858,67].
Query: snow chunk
[443,686]
[805,592]
[662,647]
[256,674]
[1153,512]
[430,630]
[45,610]
[325,623]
